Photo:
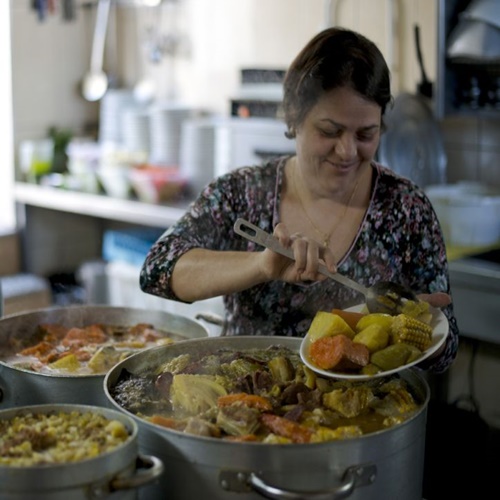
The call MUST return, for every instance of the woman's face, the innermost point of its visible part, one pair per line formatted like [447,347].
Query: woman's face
[339,134]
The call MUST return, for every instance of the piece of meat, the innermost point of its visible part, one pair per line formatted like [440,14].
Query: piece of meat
[350,402]
[39,350]
[338,353]
[251,400]
[79,337]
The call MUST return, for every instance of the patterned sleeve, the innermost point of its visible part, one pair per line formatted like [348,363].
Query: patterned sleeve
[208,223]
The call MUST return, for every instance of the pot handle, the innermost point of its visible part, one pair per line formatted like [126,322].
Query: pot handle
[213,319]
[153,468]
[354,477]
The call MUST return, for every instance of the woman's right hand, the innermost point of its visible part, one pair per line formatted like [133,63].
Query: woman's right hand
[308,254]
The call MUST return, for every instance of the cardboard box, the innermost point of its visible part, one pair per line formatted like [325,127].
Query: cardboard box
[10,253]
[24,292]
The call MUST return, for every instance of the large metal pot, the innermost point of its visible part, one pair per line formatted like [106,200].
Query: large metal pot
[379,466]
[20,387]
[117,474]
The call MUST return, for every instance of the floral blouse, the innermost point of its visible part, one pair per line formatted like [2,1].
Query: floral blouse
[398,240]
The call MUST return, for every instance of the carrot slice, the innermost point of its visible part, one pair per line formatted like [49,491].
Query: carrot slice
[339,353]
[286,428]
[170,423]
[350,317]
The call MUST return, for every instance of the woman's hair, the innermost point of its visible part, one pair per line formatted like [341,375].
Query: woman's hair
[335,57]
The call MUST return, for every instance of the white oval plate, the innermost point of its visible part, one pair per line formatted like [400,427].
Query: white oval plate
[440,330]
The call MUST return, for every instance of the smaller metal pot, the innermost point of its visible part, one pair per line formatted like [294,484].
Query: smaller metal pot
[117,474]
[20,387]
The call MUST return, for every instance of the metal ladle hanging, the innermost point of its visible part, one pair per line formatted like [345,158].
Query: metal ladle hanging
[95,82]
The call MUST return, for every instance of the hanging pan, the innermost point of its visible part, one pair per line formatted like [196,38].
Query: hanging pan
[412,144]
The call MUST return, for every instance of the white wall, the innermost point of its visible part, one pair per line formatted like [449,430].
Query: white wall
[219,37]
[7,215]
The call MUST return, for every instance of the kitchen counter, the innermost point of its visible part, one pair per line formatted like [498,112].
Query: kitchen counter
[475,285]
[95,205]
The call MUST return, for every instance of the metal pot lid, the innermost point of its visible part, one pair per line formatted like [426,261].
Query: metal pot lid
[412,144]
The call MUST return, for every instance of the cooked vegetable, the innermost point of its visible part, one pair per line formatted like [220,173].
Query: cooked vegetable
[169,423]
[175,365]
[327,324]
[249,400]
[195,393]
[237,368]
[345,432]
[370,369]
[104,358]
[393,356]
[374,336]
[384,320]
[281,369]
[339,353]
[411,331]
[350,317]
[417,309]
[67,363]
[33,439]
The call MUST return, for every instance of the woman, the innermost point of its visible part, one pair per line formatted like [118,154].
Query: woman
[330,203]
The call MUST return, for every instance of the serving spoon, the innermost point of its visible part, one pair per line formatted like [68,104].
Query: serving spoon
[383,297]
[95,82]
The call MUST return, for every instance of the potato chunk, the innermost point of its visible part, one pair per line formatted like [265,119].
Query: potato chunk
[327,324]
[374,336]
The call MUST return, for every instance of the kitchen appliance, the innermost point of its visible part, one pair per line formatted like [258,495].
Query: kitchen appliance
[377,466]
[20,387]
[213,146]
[260,93]
[116,474]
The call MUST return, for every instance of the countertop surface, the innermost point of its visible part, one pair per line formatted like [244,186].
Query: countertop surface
[475,286]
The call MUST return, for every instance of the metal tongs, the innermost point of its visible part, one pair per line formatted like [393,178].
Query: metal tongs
[383,297]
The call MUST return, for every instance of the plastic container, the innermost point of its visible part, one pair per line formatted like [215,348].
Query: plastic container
[469,213]
[130,246]
[156,184]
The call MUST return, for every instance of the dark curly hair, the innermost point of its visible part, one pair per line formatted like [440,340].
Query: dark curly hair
[335,57]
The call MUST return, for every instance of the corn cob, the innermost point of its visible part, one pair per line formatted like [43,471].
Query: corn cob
[411,331]
[414,308]
[417,309]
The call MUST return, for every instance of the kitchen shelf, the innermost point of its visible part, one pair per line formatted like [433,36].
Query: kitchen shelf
[95,205]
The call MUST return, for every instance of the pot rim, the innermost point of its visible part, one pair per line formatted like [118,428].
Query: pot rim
[100,460]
